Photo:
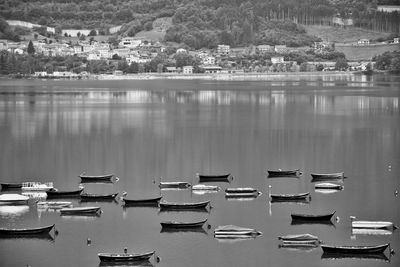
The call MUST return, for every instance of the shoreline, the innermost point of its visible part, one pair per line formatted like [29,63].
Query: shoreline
[220,76]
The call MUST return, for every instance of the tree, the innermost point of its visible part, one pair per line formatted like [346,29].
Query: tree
[320,67]
[395,65]
[341,64]
[31,49]
[92,33]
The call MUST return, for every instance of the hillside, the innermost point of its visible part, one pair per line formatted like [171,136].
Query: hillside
[203,23]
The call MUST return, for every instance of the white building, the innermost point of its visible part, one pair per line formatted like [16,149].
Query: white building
[363,42]
[223,50]
[181,50]
[209,60]
[187,69]
[130,42]
[276,60]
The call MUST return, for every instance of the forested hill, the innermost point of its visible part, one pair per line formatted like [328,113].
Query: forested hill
[204,23]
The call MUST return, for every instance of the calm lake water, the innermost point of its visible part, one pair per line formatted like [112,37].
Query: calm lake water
[144,131]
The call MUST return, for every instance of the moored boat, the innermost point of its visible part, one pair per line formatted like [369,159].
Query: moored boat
[283,173]
[243,195]
[373,225]
[27,231]
[174,185]
[184,206]
[80,210]
[284,197]
[37,186]
[141,201]
[86,196]
[13,199]
[203,187]
[174,224]
[298,237]
[312,217]
[240,190]
[235,231]
[328,176]
[355,249]
[54,193]
[10,186]
[125,257]
[328,186]
[96,178]
[214,177]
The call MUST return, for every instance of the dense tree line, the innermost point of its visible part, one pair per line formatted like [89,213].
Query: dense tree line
[389,61]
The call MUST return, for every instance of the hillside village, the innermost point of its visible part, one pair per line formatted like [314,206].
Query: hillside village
[122,53]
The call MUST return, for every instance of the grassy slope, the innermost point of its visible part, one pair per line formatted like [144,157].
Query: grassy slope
[160,27]
[342,35]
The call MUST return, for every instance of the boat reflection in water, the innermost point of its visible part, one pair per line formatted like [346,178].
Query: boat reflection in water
[299,247]
[127,264]
[13,211]
[371,256]
[183,230]
[356,231]
[34,237]
[299,222]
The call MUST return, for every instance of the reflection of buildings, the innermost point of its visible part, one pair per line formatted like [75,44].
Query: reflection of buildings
[93,111]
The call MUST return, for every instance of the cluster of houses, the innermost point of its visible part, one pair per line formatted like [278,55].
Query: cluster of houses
[141,51]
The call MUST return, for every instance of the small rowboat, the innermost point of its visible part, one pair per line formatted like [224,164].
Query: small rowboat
[54,204]
[241,190]
[214,178]
[203,187]
[328,176]
[233,231]
[285,197]
[8,186]
[184,206]
[329,186]
[282,173]
[373,225]
[28,231]
[243,195]
[96,178]
[312,217]
[300,237]
[36,186]
[13,199]
[87,196]
[355,249]
[125,257]
[174,185]
[80,210]
[53,193]
[141,201]
[173,224]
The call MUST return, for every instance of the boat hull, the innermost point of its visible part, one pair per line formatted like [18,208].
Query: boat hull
[214,178]
[183,224]
[124,257]
[372,225]
[31,231]
[355,249]
[9,186]
[283,173]
[98,197]
[61,194]
[285,197]
[174,185]
[81,210]
[143,201]
[184,206]
[338,175]
[312,217]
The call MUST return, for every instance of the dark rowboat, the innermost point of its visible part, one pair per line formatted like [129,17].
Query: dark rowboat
[312,217]
[86,196]
[214,178]
[283,173]
[89,178]
[53,193]
[329,176]
[80,210]
[173,224]
[141,201]
[125,257]
[243,195]
[355,249]
[184,206]
[285,197]
[29,231]
[8,186]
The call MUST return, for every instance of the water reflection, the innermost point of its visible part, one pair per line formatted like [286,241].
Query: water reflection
[7,212]
[85,112]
